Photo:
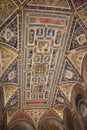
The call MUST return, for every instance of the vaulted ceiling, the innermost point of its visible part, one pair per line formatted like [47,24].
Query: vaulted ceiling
[42,47]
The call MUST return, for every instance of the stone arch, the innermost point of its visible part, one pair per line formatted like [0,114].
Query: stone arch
[21,125]
[84,68]
[50,120]
[50,114]
[50,124]
[68,119]
[79,103]
[77,91]
[21,116]
[2,120]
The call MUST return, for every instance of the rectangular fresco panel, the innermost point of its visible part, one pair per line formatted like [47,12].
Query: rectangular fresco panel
[44,44]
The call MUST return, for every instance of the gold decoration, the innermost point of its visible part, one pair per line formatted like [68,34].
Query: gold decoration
[66,89]
[59,111]
[35,115]
[7,57]
[10,114]
[76,57]
[9,90]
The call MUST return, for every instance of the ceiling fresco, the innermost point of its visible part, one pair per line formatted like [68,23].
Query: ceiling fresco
[53,3]
[6,57]
[42,47]
[10,34]
[7,8]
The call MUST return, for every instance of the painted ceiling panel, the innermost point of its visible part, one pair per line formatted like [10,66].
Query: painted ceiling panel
[11,75]
[54,3]
[7,7]
[76,57]
[11,113]
[83,15]
[10,34]
[69,73]
[59,111]
[36,114]
[13,100]
[42,48]
[78,33]
[9,90]
[79,3]
[60,98]
[6,58]
[66,89]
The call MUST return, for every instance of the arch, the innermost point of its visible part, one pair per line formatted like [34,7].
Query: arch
[84,68]
[21,125]
[50,124]
[2,120]
[50,114]
[68,119]
[51,120]
[77,90]
[21,116]
[79,103]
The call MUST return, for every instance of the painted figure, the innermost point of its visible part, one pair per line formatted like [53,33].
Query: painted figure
[46,59]
[50,33]
[27,94]
[81,39]
[37,58]
[29,56]
[46,94]
[58,37]
[83,110]
[39,32]
[43,46]
[31,36]
[28,79]
[68,74]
